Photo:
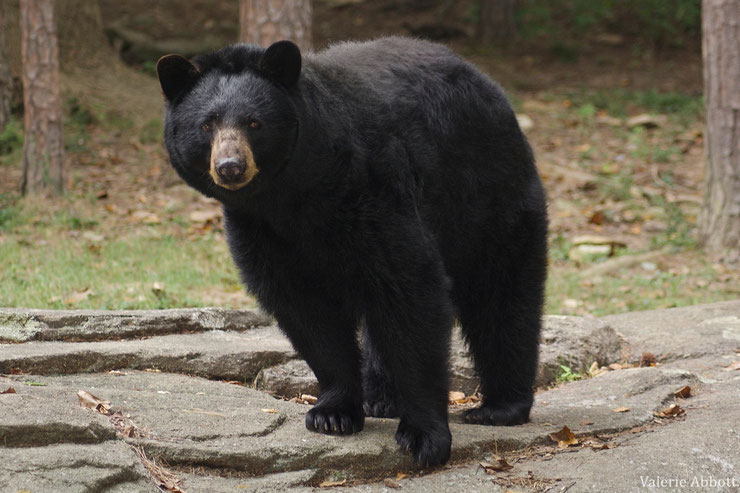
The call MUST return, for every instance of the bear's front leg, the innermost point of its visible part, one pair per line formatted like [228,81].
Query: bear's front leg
[329,346]
[409,321]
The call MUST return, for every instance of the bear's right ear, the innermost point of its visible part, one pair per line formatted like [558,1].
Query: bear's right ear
[176,75]
[282,63]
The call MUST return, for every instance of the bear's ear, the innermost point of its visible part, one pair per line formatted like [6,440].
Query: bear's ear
[282,63]
[176,75]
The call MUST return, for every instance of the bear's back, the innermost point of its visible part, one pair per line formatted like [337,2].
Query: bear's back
[398,81]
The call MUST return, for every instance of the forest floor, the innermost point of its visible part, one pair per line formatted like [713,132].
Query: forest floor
[624,193]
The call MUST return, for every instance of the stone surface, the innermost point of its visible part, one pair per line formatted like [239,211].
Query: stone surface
[577,343]
[289,379]
[21,325]
[64,468]
[217,436]
[40,414]
[703,446]
[688,332]
[215,354]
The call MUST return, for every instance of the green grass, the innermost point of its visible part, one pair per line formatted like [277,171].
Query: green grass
[568,375]
[634,289]
[120,273]
[619,102]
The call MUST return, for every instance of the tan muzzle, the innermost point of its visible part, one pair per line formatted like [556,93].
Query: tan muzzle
[232,161]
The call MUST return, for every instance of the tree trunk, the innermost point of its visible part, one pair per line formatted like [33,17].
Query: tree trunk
[43,144]
[719,221]
[497,23]
[264,22]
[6,81]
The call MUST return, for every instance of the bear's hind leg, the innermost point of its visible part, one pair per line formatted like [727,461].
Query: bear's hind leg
[501,320]
[377,387]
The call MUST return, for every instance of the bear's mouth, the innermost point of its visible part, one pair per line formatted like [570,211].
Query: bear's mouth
[232,161]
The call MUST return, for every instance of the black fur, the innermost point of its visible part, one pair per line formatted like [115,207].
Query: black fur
[395,192]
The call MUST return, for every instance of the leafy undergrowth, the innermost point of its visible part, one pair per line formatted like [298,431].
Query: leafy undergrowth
[624,199]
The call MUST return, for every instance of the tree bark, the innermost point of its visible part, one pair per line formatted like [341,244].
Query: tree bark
[43,145]
[6,81]
[264,22]
[719,220]
[497,22]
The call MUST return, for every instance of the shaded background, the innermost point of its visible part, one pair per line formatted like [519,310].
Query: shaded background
[130,234]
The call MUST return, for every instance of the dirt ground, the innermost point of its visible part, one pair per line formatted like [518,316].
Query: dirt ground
[635,188]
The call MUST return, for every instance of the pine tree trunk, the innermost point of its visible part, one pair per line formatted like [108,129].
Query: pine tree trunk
[497,21]
[6,81]
[43,144]
[719,221]
[264,22]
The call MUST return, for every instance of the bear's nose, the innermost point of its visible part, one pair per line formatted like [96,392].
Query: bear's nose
[230,169]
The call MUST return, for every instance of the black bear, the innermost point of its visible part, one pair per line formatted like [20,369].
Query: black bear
[383,190]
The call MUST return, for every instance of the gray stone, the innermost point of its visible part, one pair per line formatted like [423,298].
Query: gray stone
[688,332]
[641,390]
[289,379]
[189,422]
[577,343]
[705,445]
[215,354]
[46,414]
[21,325]
[221,437]
[65,468]
[292,480]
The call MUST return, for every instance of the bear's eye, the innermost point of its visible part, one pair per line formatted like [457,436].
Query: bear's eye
[253,124]
[206,127]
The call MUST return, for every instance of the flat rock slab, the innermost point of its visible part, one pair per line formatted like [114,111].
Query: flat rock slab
[614,401]
[700,452]
[20,325]
[111,466]
[214,354]
[38,414]
[687,332]
[218,428]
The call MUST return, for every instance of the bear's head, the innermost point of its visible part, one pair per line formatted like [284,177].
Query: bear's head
[230,121]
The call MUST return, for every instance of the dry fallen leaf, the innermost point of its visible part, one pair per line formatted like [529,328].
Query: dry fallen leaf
[647,359]
[118,373]
[456,396]
[621,409]
[564,437]
[205,216]
[597,445]
[497,464]
[145,217]
[586,423]
[735,365]
[94,237]
[78,296]
[9,390]
[401,475]
[670,412]
[637,429]
[330,484]
[271,411]
[308,398]
[391,483]
[89,401]
[683,393]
